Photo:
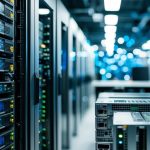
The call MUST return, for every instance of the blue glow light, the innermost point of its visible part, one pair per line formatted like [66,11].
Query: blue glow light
[113,67]
[1,140]
[102,71]
[101,54]
[119,50]
[1,106]
[115,47]
[120,142]
[126,38]
[108,75]
[130,43]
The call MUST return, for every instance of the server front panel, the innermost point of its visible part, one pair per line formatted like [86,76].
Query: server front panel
[45,77]
[7,85]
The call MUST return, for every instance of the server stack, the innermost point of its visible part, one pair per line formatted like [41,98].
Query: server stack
[122,123]
[7,130]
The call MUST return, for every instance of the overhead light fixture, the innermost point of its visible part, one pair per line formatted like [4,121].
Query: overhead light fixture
[112,5]
[95,47]
[111,19]
[146,46]
[110,51]
[110,35]
[121,40]
[110,29]
[110,41]
[44,11]
[97,17]
[103,43]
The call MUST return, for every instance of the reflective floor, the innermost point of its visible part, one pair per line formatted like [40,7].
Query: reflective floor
[86,138]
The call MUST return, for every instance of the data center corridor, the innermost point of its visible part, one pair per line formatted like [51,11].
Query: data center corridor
[74,74]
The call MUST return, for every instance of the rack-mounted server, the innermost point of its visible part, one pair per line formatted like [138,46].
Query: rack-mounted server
[105,133]
[46,79]
[124,95]
[7,86]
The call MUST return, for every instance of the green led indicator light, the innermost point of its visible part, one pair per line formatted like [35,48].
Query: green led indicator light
[43,115]
[120,136]
[43,107]
[43,101]
[44,96]
[43,111]
[44,91]
[44,145]
[43,120]
[12,133]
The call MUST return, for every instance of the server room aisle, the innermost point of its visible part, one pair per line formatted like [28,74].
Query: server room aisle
[86,137]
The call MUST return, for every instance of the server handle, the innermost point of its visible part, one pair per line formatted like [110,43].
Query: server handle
[36,88]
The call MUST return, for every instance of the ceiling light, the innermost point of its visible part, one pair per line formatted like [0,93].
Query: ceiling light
[95,47]
[110,41]
[111,19]
[44,11]
[136,51]
[97,17]
[101,54]
[126,77]
[130,55]
[121,40]
[109,29]
[110,49]
[112,5]
[108,75]
[102,71]
[103,43]
[110,36]
[146,45]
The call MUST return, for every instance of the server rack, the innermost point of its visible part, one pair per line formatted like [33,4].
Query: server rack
[13,74]
[21,76]
[82,80]
[64,103]
[73,71]
[124,133]
[7,83]
[42,75]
